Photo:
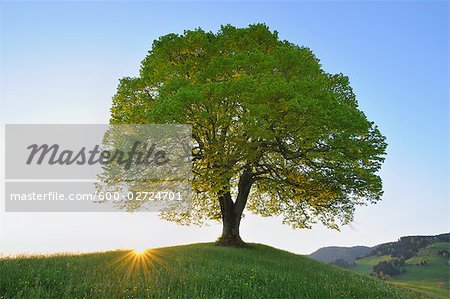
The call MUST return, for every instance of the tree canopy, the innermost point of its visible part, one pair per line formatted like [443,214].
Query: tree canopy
[272,131]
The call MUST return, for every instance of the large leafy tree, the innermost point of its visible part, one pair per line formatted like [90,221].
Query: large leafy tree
[273,132]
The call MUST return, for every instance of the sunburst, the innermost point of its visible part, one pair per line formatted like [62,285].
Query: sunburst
[140,250]
[138,263]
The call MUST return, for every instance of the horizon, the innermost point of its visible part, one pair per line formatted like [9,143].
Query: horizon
[34,254]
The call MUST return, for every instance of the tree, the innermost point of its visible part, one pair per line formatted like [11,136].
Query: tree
[391,267]
[273,132]
[342,263]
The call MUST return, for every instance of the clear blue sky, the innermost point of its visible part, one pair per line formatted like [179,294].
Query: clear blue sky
[60,63]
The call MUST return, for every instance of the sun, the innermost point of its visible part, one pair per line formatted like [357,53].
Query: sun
[140,249]
[140,261]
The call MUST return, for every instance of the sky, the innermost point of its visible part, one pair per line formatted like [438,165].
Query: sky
[61,62]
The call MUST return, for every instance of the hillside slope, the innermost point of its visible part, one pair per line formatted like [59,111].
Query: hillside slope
[197,270]
[426,270]
[417,262]
[332,253]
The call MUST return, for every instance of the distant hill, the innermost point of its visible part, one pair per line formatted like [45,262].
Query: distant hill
[417,262]
[407,247]
[427,270]
[333,253]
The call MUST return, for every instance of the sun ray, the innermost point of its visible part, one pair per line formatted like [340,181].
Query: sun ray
[139,264]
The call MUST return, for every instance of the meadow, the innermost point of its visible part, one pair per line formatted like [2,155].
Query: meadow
[191,271]
[433,277]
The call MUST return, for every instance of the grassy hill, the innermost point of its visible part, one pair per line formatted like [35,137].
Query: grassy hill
[425,271]
[191,271]
[365,265]
[332,253]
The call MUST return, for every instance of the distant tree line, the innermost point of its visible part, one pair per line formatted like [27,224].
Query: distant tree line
[392,267]
[407,247]
[342,263]
[444,253]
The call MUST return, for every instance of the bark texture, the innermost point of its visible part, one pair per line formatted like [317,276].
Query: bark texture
[232,212]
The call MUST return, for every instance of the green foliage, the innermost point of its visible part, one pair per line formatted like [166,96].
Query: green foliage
[263,108]
[342,263]
[192,271]
[391,267]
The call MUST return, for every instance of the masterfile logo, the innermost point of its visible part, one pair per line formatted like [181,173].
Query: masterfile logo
[75,167]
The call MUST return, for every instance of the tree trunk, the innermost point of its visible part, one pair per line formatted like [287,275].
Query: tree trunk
[230,229]
[232,212]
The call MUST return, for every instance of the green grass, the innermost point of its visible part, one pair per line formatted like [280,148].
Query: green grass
[365,265]
[430,254]
[191,271]
[433,278]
